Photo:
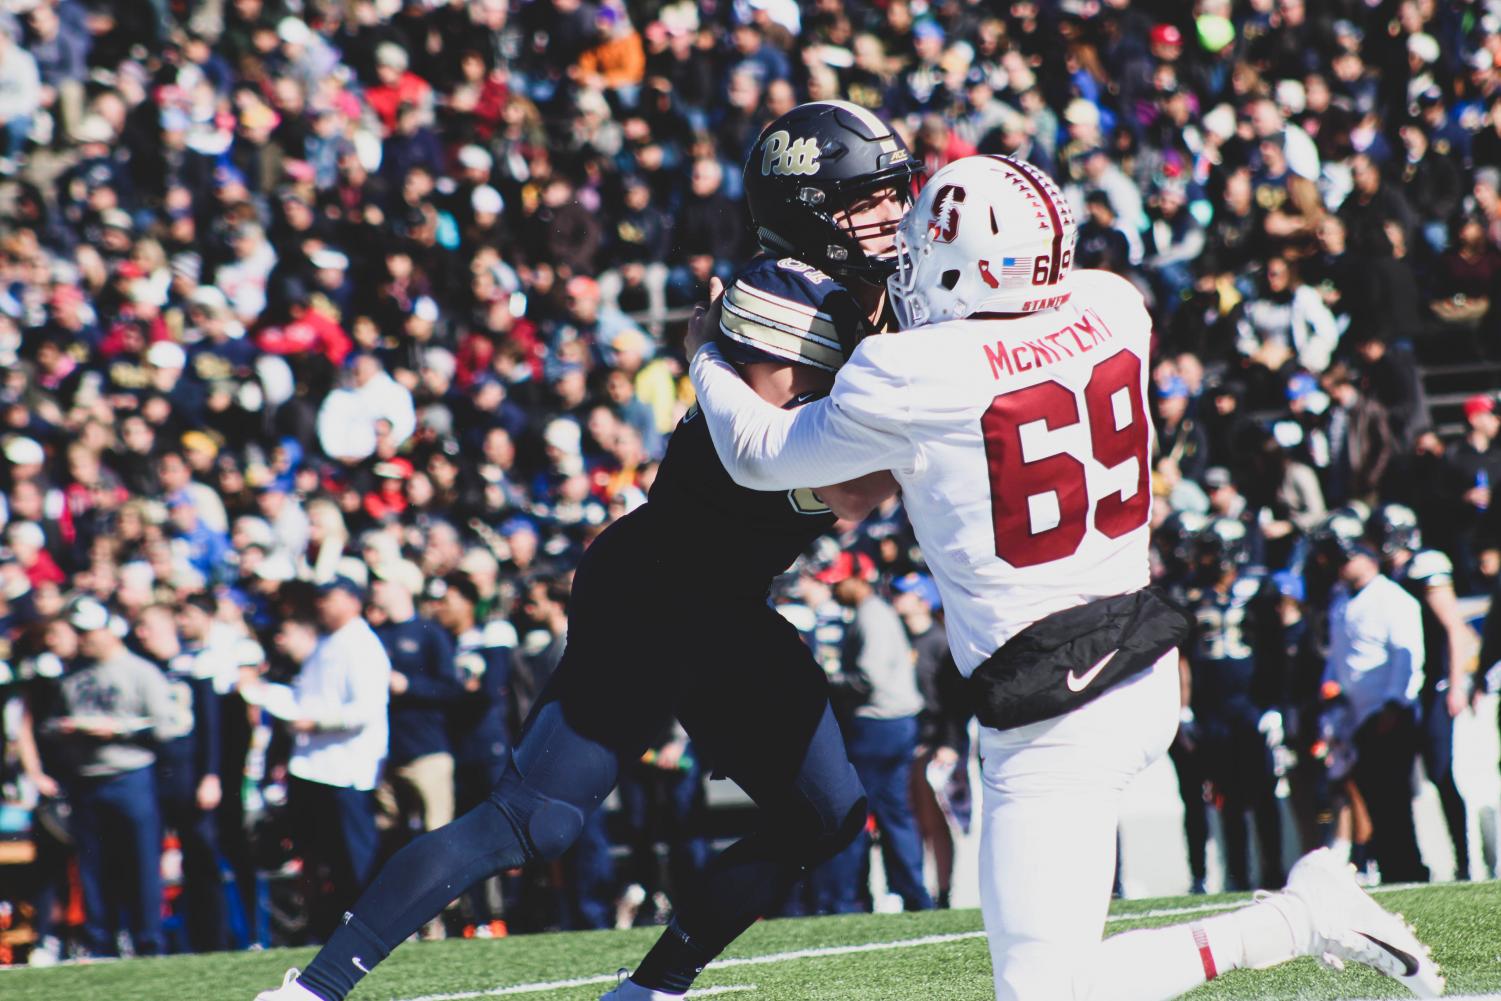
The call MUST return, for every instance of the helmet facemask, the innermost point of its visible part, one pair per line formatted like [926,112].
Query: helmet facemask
[849,253]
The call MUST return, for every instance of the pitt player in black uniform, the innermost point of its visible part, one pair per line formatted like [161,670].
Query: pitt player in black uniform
[1236,697]
[1428,575]
[669,613]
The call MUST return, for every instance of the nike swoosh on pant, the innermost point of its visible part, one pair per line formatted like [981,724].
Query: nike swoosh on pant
[1407,959]
[1079,682]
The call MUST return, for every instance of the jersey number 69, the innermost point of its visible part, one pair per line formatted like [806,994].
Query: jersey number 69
[1116,437]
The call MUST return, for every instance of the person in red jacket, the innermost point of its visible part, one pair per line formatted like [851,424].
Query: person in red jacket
[397,86]
[307,331]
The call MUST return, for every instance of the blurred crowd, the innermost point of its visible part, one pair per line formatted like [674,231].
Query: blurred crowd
[332,331]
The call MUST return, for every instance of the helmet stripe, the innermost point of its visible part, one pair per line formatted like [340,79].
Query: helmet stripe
[1055,265]
[878,128]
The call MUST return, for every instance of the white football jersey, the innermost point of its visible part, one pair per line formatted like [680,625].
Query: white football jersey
[1022,447]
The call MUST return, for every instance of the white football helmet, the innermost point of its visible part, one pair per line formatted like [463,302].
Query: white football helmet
[988,234]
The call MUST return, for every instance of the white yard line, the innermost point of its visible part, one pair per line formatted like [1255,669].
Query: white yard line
[848,950]
[555,985]
[727,989]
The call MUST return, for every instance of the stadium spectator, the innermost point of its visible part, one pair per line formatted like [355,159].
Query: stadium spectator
[942,738]
[114,707]
[878,701]
[187,774]
[337,711]
[424,684]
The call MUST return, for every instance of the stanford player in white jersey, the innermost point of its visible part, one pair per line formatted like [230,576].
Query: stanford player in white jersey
[1011,411]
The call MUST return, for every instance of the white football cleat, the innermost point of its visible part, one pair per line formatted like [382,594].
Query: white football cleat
[1348,924]
[629,990]
[290,990]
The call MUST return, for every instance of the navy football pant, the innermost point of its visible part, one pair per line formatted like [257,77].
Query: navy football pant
[202,905]
[1438,762]
[640,650]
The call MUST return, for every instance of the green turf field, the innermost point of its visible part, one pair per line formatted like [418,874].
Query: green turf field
[938,956]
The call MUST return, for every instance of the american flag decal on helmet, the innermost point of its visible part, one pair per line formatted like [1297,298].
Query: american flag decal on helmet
[1016,271]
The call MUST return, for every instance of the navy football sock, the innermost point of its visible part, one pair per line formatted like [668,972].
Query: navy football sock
[556,778]
[673,963]
[820,815]
[410,890]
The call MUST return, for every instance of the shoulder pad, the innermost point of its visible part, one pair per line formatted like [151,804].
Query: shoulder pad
[787,311]
[498,633]
[1431,567]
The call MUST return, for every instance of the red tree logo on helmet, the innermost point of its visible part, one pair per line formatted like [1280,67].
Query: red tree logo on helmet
[944,224]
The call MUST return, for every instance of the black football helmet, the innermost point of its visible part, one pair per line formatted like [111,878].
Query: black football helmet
[813,163]
[1394,527]
[1221,546]
[1339,536]
[1175,537]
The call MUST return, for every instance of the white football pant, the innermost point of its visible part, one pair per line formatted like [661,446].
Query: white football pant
[1047,848]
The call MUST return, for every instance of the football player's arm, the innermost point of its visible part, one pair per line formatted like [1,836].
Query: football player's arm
[834,439]
[777,384]
[853,499]
[1444,604]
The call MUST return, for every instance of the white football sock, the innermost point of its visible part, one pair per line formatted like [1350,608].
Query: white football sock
[1275,929]
[1157,964]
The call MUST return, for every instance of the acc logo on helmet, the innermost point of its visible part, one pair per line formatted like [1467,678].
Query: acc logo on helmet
[785,156]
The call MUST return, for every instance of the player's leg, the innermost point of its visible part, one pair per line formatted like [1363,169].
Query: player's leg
[1188,760]
[1265,811]
[1438,764]
[1387,746]
[932,824]
[597,706]
[1048,841]
[1322,913]
[759,715]
[1229,785]
[555,779]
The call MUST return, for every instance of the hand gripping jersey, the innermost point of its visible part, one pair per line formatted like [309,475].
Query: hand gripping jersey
[775,310]
[1022,447]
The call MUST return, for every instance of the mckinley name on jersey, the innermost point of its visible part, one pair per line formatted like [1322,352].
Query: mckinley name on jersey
[784,312]
[1022,448]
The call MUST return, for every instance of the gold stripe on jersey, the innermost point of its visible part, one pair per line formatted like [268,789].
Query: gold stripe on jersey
[794,347]
[772,308]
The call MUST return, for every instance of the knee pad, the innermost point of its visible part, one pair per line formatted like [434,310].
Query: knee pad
[848,830]
[553,781]
[546,825]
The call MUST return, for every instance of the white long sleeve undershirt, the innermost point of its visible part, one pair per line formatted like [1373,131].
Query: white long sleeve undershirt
[831,440]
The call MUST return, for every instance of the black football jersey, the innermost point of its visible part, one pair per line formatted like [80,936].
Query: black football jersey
[774,310]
